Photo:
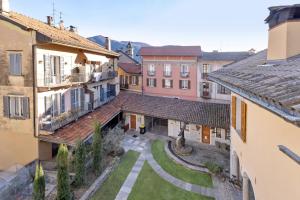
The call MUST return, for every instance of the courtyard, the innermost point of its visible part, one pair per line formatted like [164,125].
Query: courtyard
[147,171]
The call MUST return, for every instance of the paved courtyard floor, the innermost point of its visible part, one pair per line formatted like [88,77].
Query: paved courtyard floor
[142,143]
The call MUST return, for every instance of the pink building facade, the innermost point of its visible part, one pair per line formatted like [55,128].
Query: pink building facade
[171,72]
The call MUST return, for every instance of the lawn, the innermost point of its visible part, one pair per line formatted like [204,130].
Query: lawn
[150,186]
[177,170]
[111,187]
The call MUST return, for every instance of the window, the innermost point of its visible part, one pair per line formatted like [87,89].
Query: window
[151,82]
[206,90]
[15,63]
[187,127]
[218,132]
[223,90]
[167,83]
[184,84]
[134,80]
[205,70]
[16,107]
[167,70]
[151,70]
[54,69]
[74,99]
[184,70]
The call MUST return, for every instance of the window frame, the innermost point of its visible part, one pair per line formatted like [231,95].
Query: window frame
[167,73]
[20,53]
[18,101]
[151,69]
[184,70]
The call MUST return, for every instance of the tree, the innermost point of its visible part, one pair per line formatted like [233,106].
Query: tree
[63,183]
[97,149]
[39,183]
[80,158]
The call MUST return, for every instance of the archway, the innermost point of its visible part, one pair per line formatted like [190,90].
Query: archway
[248,192]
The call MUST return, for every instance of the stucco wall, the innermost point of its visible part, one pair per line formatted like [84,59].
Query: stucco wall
[175,62]
[136,88]
[272,173]
[140,120]
[17,142]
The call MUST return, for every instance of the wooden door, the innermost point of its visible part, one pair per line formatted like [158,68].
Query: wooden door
[133,121]
[205,134]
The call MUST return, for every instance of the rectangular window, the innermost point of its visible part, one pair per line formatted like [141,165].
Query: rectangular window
[239,117]
[184,84]
[151,82]
[227,134]
[151,70]
[222,90]
[167,83]
[167,70]
[16,107]
[206,90]
[75,99]
[15,63]
[205,70]
[184,70]
[218,132]
[134,80]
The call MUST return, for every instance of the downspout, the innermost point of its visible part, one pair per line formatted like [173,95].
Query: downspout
[35,121]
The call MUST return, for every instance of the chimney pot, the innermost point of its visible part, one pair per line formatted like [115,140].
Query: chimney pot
[61,25]
[108,43]
[73,29]
[50,20]
[4,7]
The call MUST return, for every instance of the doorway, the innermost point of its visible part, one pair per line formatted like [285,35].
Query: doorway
[133,121]
[205,135]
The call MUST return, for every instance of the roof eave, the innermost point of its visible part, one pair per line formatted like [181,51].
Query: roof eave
[288,117]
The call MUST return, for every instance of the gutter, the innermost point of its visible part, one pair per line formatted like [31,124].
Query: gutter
[268,106]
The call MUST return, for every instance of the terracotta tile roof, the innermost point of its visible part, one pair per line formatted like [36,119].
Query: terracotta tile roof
[202,113]
[83,127]
[171,51]
[273,85]
[210,114]
[56,35]
[131,68]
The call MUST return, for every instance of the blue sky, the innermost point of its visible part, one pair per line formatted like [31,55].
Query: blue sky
[230,25]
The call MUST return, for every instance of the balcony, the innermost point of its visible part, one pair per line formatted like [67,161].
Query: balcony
[150,73]
[107,97]
[51,123]
[102,76]
[167,73]
[184,74]
[56,81]
[204,76]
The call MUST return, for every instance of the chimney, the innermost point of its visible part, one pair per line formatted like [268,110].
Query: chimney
[251,51]
[4,7]
[73,29]
[49,20]
[107,43]
[284,31]
[61,25]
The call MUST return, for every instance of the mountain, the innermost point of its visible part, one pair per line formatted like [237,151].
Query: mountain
[120,45]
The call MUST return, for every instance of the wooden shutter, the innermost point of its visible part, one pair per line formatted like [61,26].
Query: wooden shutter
[6,106]
[189,84]
[62,68]
[147,81]
[163,83]
[130,80]
[73,99]
[62,102]
[155,82]
[180,84]
[47,70]
[233,111]
[25,104]
[171,83]
[243,121]
[82,98]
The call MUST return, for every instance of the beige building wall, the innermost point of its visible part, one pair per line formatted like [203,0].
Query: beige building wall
[274,176]
[135,88]
[18,144]
[284,40]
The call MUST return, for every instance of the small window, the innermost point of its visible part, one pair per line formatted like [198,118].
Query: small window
[167,83]
[151,70]
[15,63]
[227,134]
[218,132]
[222,90]
[167,70]
[184,70]
[205,70]
[151,82]
[184,84]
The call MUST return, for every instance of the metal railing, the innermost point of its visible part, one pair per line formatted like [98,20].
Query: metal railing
[107,97]
[167,73]
[51,80]
[151,73]
[102,76]
[52,123]
[184,74]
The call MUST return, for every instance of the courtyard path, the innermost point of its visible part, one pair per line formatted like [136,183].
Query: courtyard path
[143,145]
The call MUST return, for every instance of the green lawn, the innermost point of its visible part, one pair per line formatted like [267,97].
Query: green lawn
[149,186]
[112,185]
[176,170]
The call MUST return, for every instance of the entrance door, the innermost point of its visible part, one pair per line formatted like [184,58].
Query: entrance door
[205,134]
[133,121]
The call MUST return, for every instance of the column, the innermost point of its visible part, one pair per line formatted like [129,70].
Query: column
[245,187]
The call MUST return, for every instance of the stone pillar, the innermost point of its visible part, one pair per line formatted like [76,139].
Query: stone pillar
[245,187]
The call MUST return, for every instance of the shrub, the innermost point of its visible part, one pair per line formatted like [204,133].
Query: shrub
[63,183]
[80,158]
[112,142]
[213,168]
[39,183]
[97,149]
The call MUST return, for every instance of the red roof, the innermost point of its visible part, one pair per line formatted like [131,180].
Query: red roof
[171,51]
[131,68]
[83,127]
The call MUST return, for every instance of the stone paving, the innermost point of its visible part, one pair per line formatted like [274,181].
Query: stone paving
[220,191]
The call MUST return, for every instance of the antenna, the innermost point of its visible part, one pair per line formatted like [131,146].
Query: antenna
[53,11]
[60,16]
